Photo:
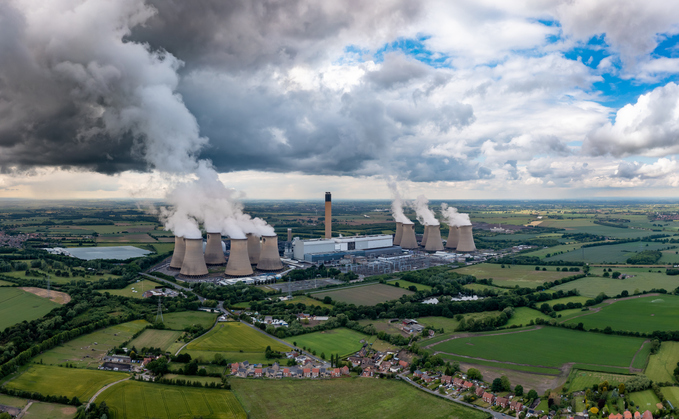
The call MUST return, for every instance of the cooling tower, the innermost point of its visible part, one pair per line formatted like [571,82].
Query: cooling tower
[328,215]
[214,255]
[466,241]
[425,236]
[269,259]
[408,240]
[254,248]
[239,262]
[434,242]
[453,237]
[194,262]
[178,254]
[399,234]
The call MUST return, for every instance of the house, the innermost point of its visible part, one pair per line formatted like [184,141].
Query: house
[384,367]
[336,372]
[468,384]
[368,372]
[355,360]
[403,363]
[307,372]
[315,372]
[516,406]
[446,379]
[427,379]
[418,374]
[627,414]
[258,372]
[234,368]
[458,382]
[286,372]
[479,391]
[637,415]
[647,415]
[488,397]
[616,416]
[345,370]
[502,401]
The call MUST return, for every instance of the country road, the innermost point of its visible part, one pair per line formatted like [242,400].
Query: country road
[93,398]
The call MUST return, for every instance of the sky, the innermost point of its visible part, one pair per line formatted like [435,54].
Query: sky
[286,99]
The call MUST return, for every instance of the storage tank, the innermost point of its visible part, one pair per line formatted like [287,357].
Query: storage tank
[453,237]
[408,241]
[254,248]
[466,240]
[193,264]
[178,254]
[239,262]
[434,242]
[269,259]
[214,255]
[399,233]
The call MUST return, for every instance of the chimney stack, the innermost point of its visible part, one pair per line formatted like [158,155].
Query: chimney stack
[178,254]
[193,264]
[434,242]
[399,234]
[214,255]
[466,241]
[453,237]
[290,235]
[270,260]
[239,262]
[328,215]
[253,248]
[425,236]
[409,241]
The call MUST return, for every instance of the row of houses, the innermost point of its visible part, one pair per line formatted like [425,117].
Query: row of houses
[244,370]
[503,402]
[636,415]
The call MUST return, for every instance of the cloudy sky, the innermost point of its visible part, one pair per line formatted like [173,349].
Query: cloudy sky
[289,98]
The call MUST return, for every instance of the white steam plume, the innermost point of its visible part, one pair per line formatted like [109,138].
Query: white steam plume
[454,218]
[424,215]
[397,204]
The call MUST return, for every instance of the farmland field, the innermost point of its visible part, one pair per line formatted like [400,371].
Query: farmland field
[523,315]
[521,275]
[542,253]
[343,398]
[50,380]
[180,320]
[12,401]
[137,400]
[17,305]
[129,291]
[566,300]
[613,253]
[551,347]
[84,353]
[645,314]
[661,365]
[642,280]
[40,410]
[586,225]
[162,339]
[406,284]
[366,295]
[307,301]
[582,379]
[671,394]
[341,341]
[645,400]
[482,287]
[194,378]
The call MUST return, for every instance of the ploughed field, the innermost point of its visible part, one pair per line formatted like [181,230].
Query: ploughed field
[365,295]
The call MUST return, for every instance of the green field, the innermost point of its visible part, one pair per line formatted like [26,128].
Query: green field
[58,381]
[137,400]
[406,284]
[521,275]
[645,400]
[307,301]
[3,283]
[236,341]
[343,398]
[482,287]
[582,379]
[18,305]
[194,378]
[523,315]
[495,365]
[336,341]
[646,314]
[162,339]
[365,295]
[613,253]
[574,299]
[671,394]
[549,347]
[586,225]
[12,401]
[129,291]
[642,280]
[40,410]
[542,253]
[180,320]
[661,365]
[87,351]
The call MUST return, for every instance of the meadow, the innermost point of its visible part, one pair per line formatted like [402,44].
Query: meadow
[40,410]
[550,347]
[162,339]
[364,295]
[523,315]
[406,284]
[521,275]
[574,299]
[88,350]
[343,398]
[646,314]
[642,280]
[671,394]
[542,252]
[17,305]
[336,341]
[51,380]
[587,226]
[482,287]
[645,400]
[307,301]
[582,379]
[180,320]
[613,253]
[661,365]
[129,291]
[138,400]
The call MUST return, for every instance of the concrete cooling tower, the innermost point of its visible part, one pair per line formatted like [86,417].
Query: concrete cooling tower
[466,240]
[214,255]
[409,241]
[399,234]
[254,248]
[269,259]
[453,237]
[178,254]
[193,264]
[425,236]
[239,262]
[434,242]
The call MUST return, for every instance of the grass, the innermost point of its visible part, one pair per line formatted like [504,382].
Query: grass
[162,339]
[542,253]
[129,291]
[341,341]
[586,225]
[343,398]
[82,351]
[17,305]
[581,379]
[612,253]
[521,275]
[536,370]
[180,320]
[40,410]
[482,287]
[366,295]
[406,284]
[138,400]
[646,314]
[549,347]
[523,315]
[671,394]
[645,400]
[566,300]
[3,283]
[661,365]
[12,401]
[194,378]
[69,382]
[642,280]
[303,299]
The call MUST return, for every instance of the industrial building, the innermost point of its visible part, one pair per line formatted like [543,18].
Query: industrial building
[322,250]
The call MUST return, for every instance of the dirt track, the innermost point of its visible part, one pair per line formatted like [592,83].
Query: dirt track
[56,296]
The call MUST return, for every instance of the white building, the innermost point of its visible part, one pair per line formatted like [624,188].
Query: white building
[340,245]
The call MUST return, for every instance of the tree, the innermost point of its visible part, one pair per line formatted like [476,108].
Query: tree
[322,355]
[518,390]
[621,388]
[506,385]
[474,374]
[616,275]
[532,395]
[496,387]
[327,300]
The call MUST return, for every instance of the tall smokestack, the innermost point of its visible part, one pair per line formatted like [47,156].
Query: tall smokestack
[270,260]
[253,248]
[290,235]
[194,263]
[399,233]
[214,255]
[453,237]
[409,241]
[434,242]
[425,236]
[178,254]
[328,216]
[466,240]
[239,262]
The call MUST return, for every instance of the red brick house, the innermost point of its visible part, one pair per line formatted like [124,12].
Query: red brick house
[516,406]
[446,379]
[502,401]
[258,372]
[647,415]
[315,372]
[286,372]
[458,382]
[479,391]
[403,363]
[627,414]
[488,397]
[345,370]
[468,384]
[368,372]
[234,368]
[337,372]
[307,372]
[637,415]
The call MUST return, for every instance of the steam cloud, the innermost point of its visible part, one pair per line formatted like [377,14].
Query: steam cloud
[397,204]
[454,218]
[424,215]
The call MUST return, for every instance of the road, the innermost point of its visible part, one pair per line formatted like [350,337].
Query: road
[101,390]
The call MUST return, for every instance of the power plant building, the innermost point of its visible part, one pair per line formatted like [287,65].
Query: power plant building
[320,250]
